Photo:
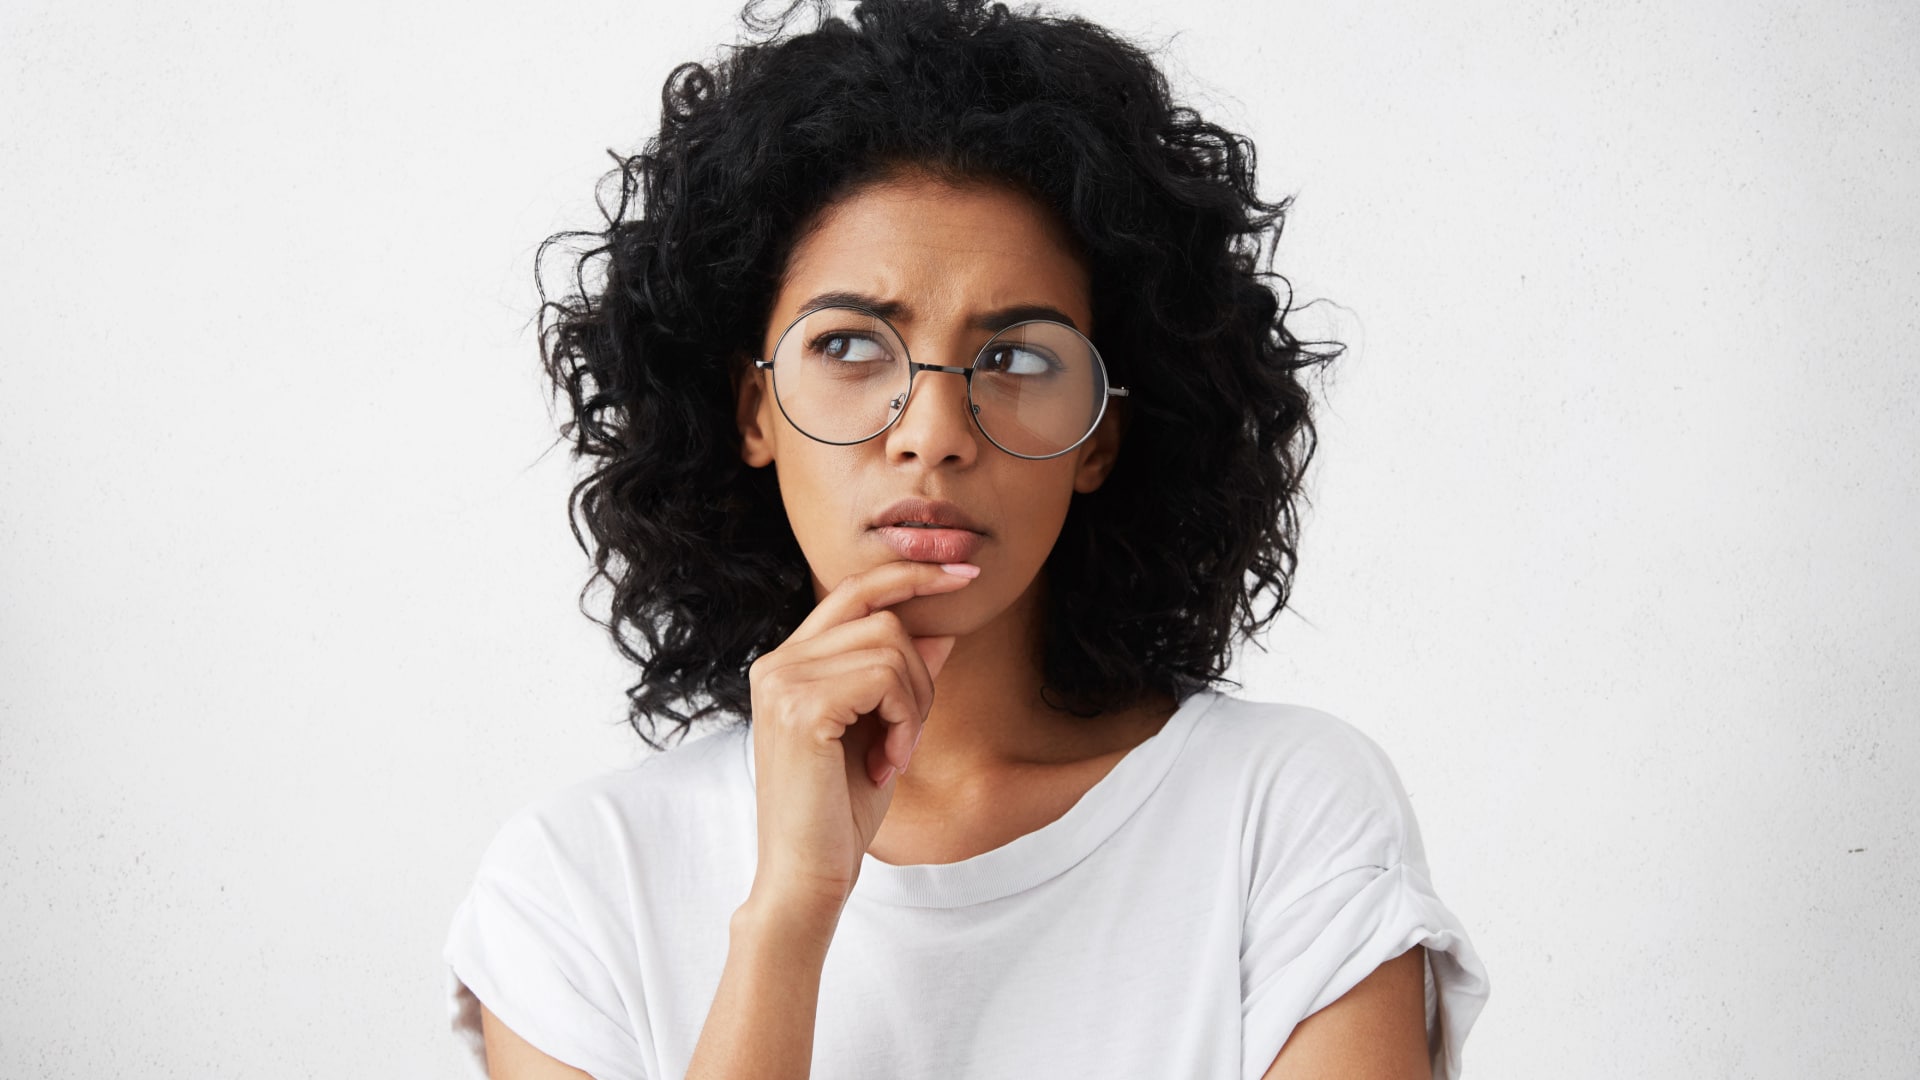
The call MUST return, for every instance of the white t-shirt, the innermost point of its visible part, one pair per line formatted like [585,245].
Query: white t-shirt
[1233,874]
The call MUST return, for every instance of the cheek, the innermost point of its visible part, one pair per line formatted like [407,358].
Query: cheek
[818,494]
[1041,522]
[1038,508]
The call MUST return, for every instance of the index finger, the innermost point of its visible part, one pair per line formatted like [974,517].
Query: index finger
[860,595]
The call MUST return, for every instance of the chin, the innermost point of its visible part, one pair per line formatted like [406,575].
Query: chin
[940,616]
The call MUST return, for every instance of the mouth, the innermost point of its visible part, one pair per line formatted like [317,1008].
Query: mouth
[928,530]
[931,515]
[921,542]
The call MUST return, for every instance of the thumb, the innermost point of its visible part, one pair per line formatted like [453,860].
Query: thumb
[934,650]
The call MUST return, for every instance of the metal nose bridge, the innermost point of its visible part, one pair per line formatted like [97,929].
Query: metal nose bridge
[914,368]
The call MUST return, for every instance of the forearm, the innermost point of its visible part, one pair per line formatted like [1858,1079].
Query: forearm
[760,1025]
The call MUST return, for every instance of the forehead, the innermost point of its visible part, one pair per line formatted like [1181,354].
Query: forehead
[942,252]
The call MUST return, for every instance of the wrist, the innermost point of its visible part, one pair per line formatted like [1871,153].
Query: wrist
[802,927]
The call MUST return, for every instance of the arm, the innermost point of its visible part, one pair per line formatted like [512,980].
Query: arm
[760,1025]
[1376,1031]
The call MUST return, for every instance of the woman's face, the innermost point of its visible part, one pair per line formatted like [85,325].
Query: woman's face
[947,264]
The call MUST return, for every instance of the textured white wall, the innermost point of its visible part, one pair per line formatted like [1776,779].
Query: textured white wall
[1612,550]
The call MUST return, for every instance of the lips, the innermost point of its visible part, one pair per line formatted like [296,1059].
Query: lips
[917,511]
[927,530]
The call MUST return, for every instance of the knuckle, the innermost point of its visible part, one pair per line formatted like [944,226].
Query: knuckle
[902,668]
[882,674]
[771,679]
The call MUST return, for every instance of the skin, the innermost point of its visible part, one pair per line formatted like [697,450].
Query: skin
[993,761]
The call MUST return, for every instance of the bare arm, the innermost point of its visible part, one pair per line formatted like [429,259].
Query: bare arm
[760,1025]
[1376,1031]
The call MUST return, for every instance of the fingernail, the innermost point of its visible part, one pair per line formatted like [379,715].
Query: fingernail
[961,569]
[886,774]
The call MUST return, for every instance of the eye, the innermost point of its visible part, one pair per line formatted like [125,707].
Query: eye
[1018,360]
[849,348]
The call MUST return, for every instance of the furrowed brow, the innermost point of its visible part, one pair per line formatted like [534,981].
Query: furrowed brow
[994,321]
[891,310]
[1001,318]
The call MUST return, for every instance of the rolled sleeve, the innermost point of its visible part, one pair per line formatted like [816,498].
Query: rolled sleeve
[518,944]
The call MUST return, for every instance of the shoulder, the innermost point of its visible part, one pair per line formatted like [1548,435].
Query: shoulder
[1335,876]
[581,885]
[1312,788]
[1286,735]
[596,822]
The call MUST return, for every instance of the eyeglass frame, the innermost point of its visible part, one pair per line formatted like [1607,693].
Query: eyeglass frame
[914,368]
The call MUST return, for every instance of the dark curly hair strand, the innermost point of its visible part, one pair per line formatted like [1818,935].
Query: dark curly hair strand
[1155,573]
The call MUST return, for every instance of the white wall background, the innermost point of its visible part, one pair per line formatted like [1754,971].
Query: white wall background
[1613,547]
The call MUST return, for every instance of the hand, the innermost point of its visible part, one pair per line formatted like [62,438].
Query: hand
[837,709]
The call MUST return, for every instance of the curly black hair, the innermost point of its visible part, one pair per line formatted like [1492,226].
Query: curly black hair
[1156,572]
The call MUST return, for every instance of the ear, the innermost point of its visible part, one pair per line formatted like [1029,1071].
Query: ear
[751,414]
[1101,450]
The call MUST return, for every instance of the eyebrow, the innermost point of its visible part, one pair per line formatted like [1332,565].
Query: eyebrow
[995,320]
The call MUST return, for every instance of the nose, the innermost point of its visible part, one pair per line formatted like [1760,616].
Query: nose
[937,425]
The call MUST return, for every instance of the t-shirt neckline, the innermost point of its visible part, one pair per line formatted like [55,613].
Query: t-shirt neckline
[1045,853]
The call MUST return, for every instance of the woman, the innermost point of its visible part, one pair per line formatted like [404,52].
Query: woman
[947,439]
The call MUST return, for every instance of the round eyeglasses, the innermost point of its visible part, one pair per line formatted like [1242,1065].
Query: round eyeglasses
[1037,389]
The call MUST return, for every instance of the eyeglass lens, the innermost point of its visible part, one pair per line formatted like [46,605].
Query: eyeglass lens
[842,374]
